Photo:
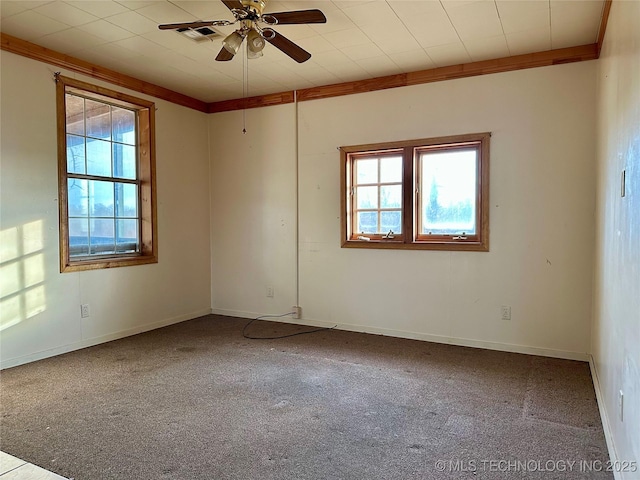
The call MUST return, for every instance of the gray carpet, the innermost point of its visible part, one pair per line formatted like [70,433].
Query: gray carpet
[198,401]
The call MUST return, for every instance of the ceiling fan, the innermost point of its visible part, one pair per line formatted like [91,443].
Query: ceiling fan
[249,14]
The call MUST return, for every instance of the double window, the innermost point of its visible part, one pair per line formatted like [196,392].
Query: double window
[106,177]
[421,194]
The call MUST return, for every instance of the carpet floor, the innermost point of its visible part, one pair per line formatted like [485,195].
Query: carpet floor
[196,400]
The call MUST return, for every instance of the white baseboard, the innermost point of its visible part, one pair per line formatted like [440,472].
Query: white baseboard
[238,313]
[463,342]
[90,342]
[606,426]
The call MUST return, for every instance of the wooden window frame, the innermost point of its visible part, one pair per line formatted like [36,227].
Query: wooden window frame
[146,181]
[411,198]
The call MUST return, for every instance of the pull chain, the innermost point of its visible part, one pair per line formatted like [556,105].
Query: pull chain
[245,89]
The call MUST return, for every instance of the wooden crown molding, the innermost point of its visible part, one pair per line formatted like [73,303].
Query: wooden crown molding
[46,55]
[281,98]
[485,67]
[603,23]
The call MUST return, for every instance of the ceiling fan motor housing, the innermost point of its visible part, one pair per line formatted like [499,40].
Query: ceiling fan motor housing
[257,6]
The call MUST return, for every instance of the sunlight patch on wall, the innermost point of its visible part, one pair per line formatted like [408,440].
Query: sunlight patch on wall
[22,274]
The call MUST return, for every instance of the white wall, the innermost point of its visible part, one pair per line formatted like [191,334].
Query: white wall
[40,307]
[542,208]
[616,325]
[253,214]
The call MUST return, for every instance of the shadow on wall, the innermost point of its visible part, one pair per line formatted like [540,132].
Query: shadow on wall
[22,277]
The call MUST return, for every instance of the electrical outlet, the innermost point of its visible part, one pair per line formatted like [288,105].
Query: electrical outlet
[506,312]
[270,291]
[296,312]
[84,310]
[621,405]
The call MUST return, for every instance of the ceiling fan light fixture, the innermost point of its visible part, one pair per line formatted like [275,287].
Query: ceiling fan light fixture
[255,42]
[232,42]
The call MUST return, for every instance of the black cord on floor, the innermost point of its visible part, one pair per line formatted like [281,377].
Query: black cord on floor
[244,330]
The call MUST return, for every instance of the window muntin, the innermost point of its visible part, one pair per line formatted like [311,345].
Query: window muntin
[440,199]
[107,181]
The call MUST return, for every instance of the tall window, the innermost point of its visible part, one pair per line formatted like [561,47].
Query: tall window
[106,177]
[421,194]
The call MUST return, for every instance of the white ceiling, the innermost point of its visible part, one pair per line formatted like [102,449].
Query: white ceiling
[361,39]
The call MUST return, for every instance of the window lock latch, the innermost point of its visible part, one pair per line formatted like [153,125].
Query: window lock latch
[460,237]
[389,235]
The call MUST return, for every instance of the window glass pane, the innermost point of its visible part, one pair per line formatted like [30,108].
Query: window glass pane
[367,171]
[75,114]
[390,169]
[126,200]
[101,199]
[448,192]
[390,196]
[78,197]
[78,236]
[367,197]
[124,123]
[391,221]
[75,154]
[98,157]
[102,235]
[367,222]
[98,119]
[126,235]
[124,161]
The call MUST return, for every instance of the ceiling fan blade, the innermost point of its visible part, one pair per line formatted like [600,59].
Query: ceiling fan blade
[224,55]
[174,26]
[299,16]
[231,4]
[287,46]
